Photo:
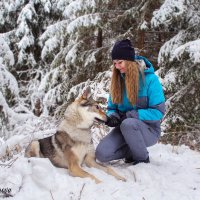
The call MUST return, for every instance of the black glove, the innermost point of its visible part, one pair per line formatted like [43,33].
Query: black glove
[113,121]
[122,116]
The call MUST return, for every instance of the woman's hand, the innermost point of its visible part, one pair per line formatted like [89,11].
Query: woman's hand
[113,121]
[116,119]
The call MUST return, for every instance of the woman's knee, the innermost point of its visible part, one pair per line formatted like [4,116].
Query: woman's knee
[129,123]
[108,146]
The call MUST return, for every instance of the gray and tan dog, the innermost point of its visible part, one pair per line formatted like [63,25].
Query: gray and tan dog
[71,145]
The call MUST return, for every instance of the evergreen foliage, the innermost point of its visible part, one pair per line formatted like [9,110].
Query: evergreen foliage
[51,49]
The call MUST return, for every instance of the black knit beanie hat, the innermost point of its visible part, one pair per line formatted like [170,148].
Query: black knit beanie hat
[123,50]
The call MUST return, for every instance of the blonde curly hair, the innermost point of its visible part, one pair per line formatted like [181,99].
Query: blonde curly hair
[131,80]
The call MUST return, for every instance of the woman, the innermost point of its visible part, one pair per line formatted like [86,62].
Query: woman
[135,107]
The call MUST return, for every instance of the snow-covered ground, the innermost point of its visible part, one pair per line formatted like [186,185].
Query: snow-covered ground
[173,174]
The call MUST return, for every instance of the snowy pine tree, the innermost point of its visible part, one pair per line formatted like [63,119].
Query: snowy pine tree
[54,48]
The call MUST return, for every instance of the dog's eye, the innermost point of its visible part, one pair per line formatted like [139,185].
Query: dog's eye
[97,107]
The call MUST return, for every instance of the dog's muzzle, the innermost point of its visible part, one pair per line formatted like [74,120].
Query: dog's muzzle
[100,120]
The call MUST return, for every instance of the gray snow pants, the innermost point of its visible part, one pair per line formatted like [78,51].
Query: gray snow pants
[130,139]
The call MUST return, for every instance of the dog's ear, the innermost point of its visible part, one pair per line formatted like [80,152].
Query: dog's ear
[86,93]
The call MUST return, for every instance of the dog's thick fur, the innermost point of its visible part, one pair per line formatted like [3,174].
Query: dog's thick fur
[72,144]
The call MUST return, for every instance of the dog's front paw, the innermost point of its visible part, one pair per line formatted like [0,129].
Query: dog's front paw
[123,179]
[97,181]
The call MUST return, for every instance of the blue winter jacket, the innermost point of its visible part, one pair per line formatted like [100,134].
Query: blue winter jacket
[150,105]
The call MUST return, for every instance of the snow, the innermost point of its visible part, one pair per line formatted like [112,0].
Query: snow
[193,49]
[47,5]
[5,51]
[83,21]
[144,25]
[71,11]
[51,97]
[72,54]
[50,46]
[8,81]
[170,78]
[99,87]
[173,173]
[58,27]
[90,58]
[170,46]
[27,13]
[170,9]
[26,41]
[52,37]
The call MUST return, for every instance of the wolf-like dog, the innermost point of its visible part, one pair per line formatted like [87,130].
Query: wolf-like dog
[71,145]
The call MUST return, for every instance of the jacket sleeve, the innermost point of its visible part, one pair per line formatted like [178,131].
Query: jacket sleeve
[156,102]
[112,108]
